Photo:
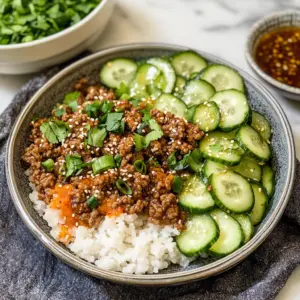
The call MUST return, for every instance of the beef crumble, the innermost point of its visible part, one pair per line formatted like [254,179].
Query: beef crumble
[151,191]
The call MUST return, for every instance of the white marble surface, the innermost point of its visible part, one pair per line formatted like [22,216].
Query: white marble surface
[216,26]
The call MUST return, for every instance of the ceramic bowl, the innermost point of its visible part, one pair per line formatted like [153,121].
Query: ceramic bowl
[53,91]
[267,24]
[57,48]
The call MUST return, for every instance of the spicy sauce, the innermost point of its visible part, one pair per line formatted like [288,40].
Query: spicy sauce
[278,54]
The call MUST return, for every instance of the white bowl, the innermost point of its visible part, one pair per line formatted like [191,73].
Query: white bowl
[57,48]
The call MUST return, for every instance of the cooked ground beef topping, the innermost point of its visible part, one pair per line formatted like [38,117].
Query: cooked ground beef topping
[93,124]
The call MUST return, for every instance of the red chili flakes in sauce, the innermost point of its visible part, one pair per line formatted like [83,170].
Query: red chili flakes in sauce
[278,54]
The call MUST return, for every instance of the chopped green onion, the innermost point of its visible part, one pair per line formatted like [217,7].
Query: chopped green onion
[48,164]
[123,187]
[139,142]
[103,163]
[93,202]
[118,160]
[177,184]
[96,137]
[140,166]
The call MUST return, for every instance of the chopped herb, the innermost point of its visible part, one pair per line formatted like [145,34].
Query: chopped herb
[93,109]
[140,166]
[93,202]
[195,161]
[71,100]
[27,20]
[88,126]
[139,142]
[155,134]
[196,155]
[141,127]
[123,187]
[135,102]
[123,89]
[35,117]
[176,165]
[190,113]
[125,97]
[114,122]
[96,137]
[73,164]
[153,161]
[146,113]
[55,131]
[48,165]
[59,112]
[103,163]
[177,184]
[118,160]
[107,106]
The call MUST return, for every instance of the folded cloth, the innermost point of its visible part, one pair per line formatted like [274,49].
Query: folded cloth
[29,271]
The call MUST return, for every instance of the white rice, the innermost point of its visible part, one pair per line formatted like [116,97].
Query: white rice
[127,243]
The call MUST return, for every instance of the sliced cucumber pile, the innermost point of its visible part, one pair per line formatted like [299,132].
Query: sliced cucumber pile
[231,234]
[232,192]
[195,197]
[232,180]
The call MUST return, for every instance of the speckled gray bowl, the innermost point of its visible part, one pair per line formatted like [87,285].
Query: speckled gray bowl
[269,23]
[52,92]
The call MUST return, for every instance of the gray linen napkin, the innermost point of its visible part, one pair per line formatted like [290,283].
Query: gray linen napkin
[28,271]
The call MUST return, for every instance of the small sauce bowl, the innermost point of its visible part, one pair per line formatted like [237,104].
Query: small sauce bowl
[267,24]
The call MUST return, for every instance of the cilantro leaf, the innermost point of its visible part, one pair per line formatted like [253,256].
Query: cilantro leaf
[96,137]
[155,134]
[107,106]
[73,164]
[59,112]
[146,113]
[122,90]
[176,165]
[114,122]
[93,109]
[55,131]
[71,100]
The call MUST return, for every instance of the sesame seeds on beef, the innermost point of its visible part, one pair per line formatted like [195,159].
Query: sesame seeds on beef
[151,192]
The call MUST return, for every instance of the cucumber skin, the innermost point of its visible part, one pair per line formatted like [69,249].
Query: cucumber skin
[193,210]
[218,255]
[204,249]
[273,183]
[221,205]
[250,153]
[220,160]
[252,228]
[265,205]
[228,129]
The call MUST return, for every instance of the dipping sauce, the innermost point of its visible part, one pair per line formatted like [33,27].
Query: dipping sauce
[278,55]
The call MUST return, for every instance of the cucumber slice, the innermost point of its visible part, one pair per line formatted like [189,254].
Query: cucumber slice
[188,62]
[169,103]
[220,147]
[137,90]
[179,86]
[249,168]
[117,71]
[246,225]
[167,71]
[212,167]
[195,197]
[268,180]
[190,113]
[231,234]
[234,109]
[146,74]
[232,192]
[194,75]
[201,232]
[153,91]
[260,206]
[223,78]
[207,116]
[253,144]
[196,92]
[261,125]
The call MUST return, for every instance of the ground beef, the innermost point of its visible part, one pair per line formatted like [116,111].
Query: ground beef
[150,193]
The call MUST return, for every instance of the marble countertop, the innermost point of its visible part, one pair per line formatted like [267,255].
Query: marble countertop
[219,27]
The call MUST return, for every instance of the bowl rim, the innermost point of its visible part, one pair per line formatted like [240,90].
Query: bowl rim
[180,277]
[249,47]
[57,35]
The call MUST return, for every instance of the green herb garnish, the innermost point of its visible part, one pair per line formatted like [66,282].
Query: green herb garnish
[71,100]
[93,202]
[93,109]
[123,187]
[73,164]
[122,90]
[59,112]
[139,142]
[155,134]
[140,166]
[103,163]
[176,165]
[118,160]
[146,113]
[48,165]
[55,131]
[27,20]
[107,106]
[96,137]
[177,184]
[114,122]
